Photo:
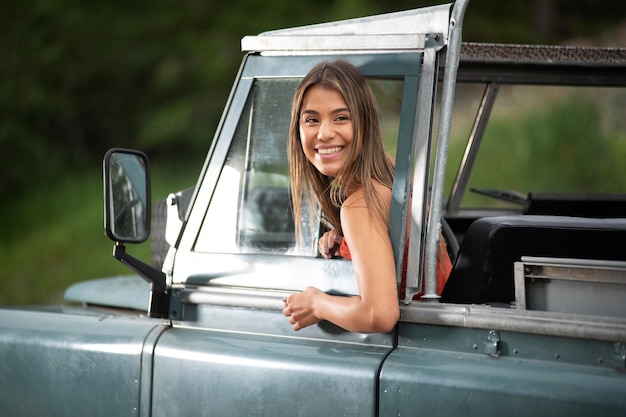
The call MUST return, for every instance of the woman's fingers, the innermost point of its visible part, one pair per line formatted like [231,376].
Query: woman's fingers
[324,248]
[329,243]
[299,308]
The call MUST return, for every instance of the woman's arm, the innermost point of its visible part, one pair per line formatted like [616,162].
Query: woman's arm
[376,307]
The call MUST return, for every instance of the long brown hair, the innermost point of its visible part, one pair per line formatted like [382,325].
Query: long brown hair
[366,161]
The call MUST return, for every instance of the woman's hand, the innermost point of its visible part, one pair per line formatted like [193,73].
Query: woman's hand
[329,244]
[300,308]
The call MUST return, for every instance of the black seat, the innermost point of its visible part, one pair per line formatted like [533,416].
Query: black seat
[483,271]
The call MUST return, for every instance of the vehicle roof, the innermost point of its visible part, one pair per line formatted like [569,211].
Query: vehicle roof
[542,64]
[404,30]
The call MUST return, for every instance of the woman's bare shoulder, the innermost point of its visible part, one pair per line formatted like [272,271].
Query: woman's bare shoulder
[357,198]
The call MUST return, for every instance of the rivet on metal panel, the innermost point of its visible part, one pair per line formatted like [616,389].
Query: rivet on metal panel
[492,344]
[619,355]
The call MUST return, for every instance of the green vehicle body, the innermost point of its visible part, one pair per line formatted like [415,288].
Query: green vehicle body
[205,335]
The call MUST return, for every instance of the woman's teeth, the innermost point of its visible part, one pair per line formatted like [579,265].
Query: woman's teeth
[330,150]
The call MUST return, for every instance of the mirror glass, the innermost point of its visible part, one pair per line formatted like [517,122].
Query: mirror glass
[127,196]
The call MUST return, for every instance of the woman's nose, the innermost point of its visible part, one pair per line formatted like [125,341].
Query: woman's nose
[325,131]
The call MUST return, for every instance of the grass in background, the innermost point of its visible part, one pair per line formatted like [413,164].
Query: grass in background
[53,235]
[574,142]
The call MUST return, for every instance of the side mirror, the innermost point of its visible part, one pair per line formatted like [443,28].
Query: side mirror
[126,195]
[127,217]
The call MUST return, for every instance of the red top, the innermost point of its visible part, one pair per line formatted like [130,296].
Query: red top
[443,268]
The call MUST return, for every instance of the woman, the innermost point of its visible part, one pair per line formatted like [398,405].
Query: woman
[337,157]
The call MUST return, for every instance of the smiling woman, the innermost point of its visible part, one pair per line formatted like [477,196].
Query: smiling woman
[337,159]
[365,159]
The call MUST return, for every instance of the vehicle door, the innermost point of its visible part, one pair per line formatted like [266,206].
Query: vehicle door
[69,361]
[231,351]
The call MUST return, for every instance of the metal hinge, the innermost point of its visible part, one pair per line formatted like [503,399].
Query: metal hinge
[492,346]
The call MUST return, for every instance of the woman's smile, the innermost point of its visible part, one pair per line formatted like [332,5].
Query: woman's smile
[330,151]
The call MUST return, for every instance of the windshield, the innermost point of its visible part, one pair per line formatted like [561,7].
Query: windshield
[539,141]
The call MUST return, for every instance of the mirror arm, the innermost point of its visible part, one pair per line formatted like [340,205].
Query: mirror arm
[159,302]
[146,271]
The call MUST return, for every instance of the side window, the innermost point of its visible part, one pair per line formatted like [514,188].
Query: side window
[388,94]
[250,211]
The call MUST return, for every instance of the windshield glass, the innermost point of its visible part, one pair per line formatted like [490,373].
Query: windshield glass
[541,140]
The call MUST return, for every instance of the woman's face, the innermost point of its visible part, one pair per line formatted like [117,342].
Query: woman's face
[326,129]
